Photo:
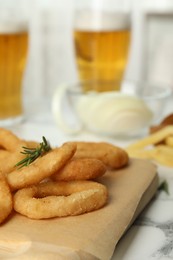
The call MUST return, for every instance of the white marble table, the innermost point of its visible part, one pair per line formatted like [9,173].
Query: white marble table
[151,236]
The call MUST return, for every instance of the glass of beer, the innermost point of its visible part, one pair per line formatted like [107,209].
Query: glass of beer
[13,53]
[101,41]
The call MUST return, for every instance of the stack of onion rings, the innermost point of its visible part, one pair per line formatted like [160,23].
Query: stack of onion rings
[59,182]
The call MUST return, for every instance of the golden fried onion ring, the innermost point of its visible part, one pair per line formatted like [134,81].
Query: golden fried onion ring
[41,168]
[80,169]
[10,148]
[8,160]
[112,156]
[10,141]
[5,199]
[60,199]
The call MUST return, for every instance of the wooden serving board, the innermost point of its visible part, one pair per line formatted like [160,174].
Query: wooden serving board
[90,236]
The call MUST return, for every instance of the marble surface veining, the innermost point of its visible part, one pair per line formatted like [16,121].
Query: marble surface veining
[151,235]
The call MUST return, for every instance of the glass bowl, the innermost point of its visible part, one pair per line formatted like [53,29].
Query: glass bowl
[126,113]
[157,96]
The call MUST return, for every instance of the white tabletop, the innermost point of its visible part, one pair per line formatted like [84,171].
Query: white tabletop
[151,235]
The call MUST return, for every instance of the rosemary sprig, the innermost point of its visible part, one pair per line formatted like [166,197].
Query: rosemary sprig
[33,153]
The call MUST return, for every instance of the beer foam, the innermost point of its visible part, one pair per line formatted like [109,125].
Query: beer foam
[12,27]
[96,21]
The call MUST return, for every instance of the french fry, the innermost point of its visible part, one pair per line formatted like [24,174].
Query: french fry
[143,154]
[146,148]
[163,155]
[169,141]
[151,139]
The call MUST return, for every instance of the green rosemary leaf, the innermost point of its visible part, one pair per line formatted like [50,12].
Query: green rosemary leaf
[33,153]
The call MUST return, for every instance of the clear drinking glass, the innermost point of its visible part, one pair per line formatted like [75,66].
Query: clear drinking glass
[102,30]
[13,54]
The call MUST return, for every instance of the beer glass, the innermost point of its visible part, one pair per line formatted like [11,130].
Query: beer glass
[13,53]
[101,42]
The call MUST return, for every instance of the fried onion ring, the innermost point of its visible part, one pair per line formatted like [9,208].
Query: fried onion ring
[8,160]
[31,144]
[5,199]
[41,168]
[10,147]
[80,169]
[10,141]
[112,156]
[60,199]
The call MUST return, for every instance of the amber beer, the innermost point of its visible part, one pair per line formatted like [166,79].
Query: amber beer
[102,53]
[13,52]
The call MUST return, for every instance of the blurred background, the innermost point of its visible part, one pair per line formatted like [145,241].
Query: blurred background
[51,54]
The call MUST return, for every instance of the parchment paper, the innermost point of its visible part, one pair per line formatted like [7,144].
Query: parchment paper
[89,236]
